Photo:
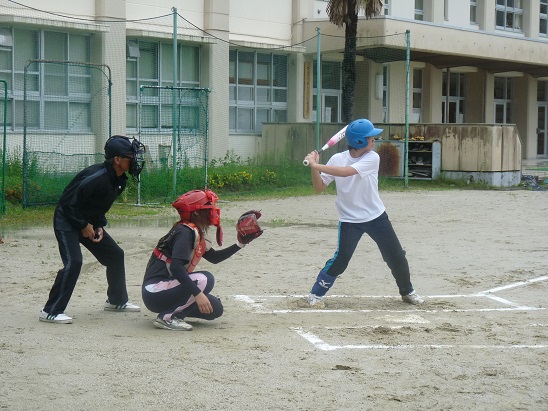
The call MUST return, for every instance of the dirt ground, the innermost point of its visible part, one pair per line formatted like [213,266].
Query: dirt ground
[479,342]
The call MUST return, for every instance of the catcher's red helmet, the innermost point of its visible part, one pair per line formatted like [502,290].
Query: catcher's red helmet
[200,200]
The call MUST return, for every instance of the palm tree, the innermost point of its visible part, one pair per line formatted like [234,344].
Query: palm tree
[345,12]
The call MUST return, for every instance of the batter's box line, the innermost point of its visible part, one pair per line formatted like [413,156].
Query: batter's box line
[256,302]
[320,344]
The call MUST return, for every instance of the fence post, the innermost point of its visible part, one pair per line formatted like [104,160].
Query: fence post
[407,64]
[3,208]
[174,99]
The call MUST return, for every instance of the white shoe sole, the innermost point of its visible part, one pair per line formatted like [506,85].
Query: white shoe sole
[124,310]
[66,321]
[161,325]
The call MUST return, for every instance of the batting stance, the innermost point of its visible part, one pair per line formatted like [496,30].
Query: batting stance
[355,172]
[171,286]
[80,219]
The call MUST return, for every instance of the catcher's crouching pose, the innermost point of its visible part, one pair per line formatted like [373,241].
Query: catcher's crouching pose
[171,287]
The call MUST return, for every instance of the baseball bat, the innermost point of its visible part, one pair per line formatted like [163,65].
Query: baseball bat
[331,142]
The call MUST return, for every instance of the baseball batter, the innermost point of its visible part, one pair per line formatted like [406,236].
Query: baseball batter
[361,211]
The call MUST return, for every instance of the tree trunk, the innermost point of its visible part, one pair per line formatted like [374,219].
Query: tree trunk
[349,68]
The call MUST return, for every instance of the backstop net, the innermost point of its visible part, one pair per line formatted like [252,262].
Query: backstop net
[173,125]
[66,107]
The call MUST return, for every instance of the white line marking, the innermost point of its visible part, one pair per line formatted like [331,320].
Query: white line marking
[256,301]
[322,345]
[448,310]
[517,284]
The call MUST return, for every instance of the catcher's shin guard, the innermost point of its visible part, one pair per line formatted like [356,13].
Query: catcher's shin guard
[323,283]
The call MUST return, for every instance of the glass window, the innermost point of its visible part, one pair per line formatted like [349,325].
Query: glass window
[419,10]
[386,7]
[509,15]
[59,95]
[150,67]
[417,95]
[543,26]
[503,100]
[474,11]
[331,87]
[257,89]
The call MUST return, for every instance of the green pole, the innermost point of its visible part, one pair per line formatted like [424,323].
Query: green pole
[318,88]
[407,63]
[4,147]
[174,109]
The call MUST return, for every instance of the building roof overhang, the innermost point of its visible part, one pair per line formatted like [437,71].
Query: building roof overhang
[442,46]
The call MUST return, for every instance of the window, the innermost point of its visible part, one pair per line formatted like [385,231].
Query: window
[474,11]
[419,10]
[417,95]
[59,96]
[453,105]
[257,90]
[503,100]
[509,15]
[543,26]
[386,7]
[151,64]
[331,94]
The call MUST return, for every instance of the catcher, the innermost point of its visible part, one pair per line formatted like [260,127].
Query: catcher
[171,286]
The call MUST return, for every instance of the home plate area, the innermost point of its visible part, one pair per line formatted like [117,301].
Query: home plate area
[475,321]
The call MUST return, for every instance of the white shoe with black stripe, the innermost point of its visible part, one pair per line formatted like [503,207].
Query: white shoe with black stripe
[122,307]
[55,318]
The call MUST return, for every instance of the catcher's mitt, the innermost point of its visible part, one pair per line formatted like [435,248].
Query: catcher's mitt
[247,226]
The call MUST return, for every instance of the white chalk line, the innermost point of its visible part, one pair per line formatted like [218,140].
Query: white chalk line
[320,344]
[255,301]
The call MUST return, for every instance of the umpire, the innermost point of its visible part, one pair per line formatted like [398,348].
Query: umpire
[80,219]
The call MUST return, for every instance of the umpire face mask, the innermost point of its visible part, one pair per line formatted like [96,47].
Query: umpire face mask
[137,158]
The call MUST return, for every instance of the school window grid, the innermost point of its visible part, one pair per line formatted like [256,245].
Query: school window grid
[453,98]
[474,11]
[150,63]
[257,90]
[503,100]
[543,18]
[58,96]
[509,15]
[419,10]
[417,95]
[331,91]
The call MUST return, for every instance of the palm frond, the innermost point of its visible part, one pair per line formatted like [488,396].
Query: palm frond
[339,10]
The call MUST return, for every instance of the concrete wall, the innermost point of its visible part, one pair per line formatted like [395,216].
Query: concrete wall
[488,153]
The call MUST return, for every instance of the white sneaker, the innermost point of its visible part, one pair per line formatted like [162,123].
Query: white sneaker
[123,307]
[55,318]
[315,301]
[175,324]
[412,298]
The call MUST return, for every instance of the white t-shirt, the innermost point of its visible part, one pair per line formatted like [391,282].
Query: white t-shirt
[358,198]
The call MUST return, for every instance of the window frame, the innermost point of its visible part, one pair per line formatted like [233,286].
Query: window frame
[511,15]
[474,12]
[69,86]
[254,98]
[151,99]
[419,10]
[543,18]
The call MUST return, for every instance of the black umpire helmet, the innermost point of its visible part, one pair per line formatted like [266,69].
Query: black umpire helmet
[125,147]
